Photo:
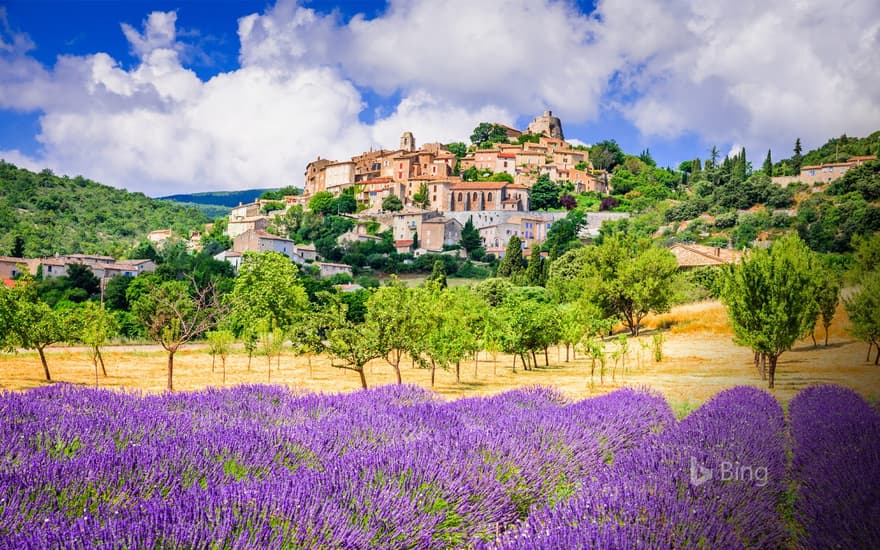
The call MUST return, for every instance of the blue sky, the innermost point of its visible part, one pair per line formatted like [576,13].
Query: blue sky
[165,97]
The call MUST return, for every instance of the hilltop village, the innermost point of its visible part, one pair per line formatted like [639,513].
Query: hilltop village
[426,194]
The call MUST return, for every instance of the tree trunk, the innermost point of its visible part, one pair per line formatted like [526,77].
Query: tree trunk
[223,361]
[433,370]
[45,366]
[476,363]
[170,386]
[250,357]
[826,335]
[763,366]
[457,372]
[397,374]
[877,357]
[534,359]
[773,359]
[870,345]
[813,336]
[566,353]
[101,359]
[213,360]
[514,360]
[363,377]
[546,358]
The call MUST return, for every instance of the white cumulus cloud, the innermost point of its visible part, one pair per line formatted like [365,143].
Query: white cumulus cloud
[748,73]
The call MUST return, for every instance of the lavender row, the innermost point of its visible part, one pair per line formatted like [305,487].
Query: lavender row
[836,466]
[713,481]
[262,467]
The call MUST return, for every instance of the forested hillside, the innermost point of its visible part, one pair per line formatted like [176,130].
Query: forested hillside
[59,214]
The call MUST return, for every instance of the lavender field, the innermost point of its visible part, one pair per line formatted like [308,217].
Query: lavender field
[397,467]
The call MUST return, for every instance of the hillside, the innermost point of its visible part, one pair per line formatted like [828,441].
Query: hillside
[60,214]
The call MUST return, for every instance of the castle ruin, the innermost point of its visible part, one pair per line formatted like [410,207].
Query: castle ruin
[547,125]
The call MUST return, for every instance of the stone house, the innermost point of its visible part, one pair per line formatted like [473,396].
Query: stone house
[408,222]
[11,268]
[338,176]
[140,265]
[314,176]
[824,173]
[256,240]
[238,226]
[439,231]
[53,267]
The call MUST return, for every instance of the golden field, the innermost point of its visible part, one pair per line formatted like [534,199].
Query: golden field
[699,360]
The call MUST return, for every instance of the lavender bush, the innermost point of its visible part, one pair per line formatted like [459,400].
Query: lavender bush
[397,467]
[836,466]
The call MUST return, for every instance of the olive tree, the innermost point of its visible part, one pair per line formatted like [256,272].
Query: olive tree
[175,313]
[29,323]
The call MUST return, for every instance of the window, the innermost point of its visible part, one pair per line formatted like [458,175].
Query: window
[489,197]
[460,197]
[474,196]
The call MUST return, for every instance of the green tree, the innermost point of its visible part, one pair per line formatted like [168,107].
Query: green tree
[625,279]
[267,289]
[438,274]
[470,236]
[544,194]
[457,148]
[95,326]
[17,247]
[486,133]
[219,344]
[322,202]
[768,165]
[606,155]
[27,322]
[345,203]
[770,298]
[392,203]
[174,313]
[421,198]
[863,309]
[535,271]
[827,297]
[797,159]
[394,318]
[511,264]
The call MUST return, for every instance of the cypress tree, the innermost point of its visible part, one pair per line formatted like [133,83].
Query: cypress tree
[511,263]
[797,159]
[768,165]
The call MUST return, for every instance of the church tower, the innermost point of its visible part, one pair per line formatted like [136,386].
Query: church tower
[408,142]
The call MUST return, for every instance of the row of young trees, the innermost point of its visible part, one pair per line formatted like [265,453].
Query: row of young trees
[774,297]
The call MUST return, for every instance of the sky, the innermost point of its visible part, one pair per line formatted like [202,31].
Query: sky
[188,96]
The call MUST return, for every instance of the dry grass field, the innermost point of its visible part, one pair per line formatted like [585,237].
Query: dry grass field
[699,360]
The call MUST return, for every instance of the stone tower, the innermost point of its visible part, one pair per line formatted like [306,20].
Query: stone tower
[408,142]
[548,125]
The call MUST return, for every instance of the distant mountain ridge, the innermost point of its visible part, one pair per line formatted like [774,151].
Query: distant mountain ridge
[228,199]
